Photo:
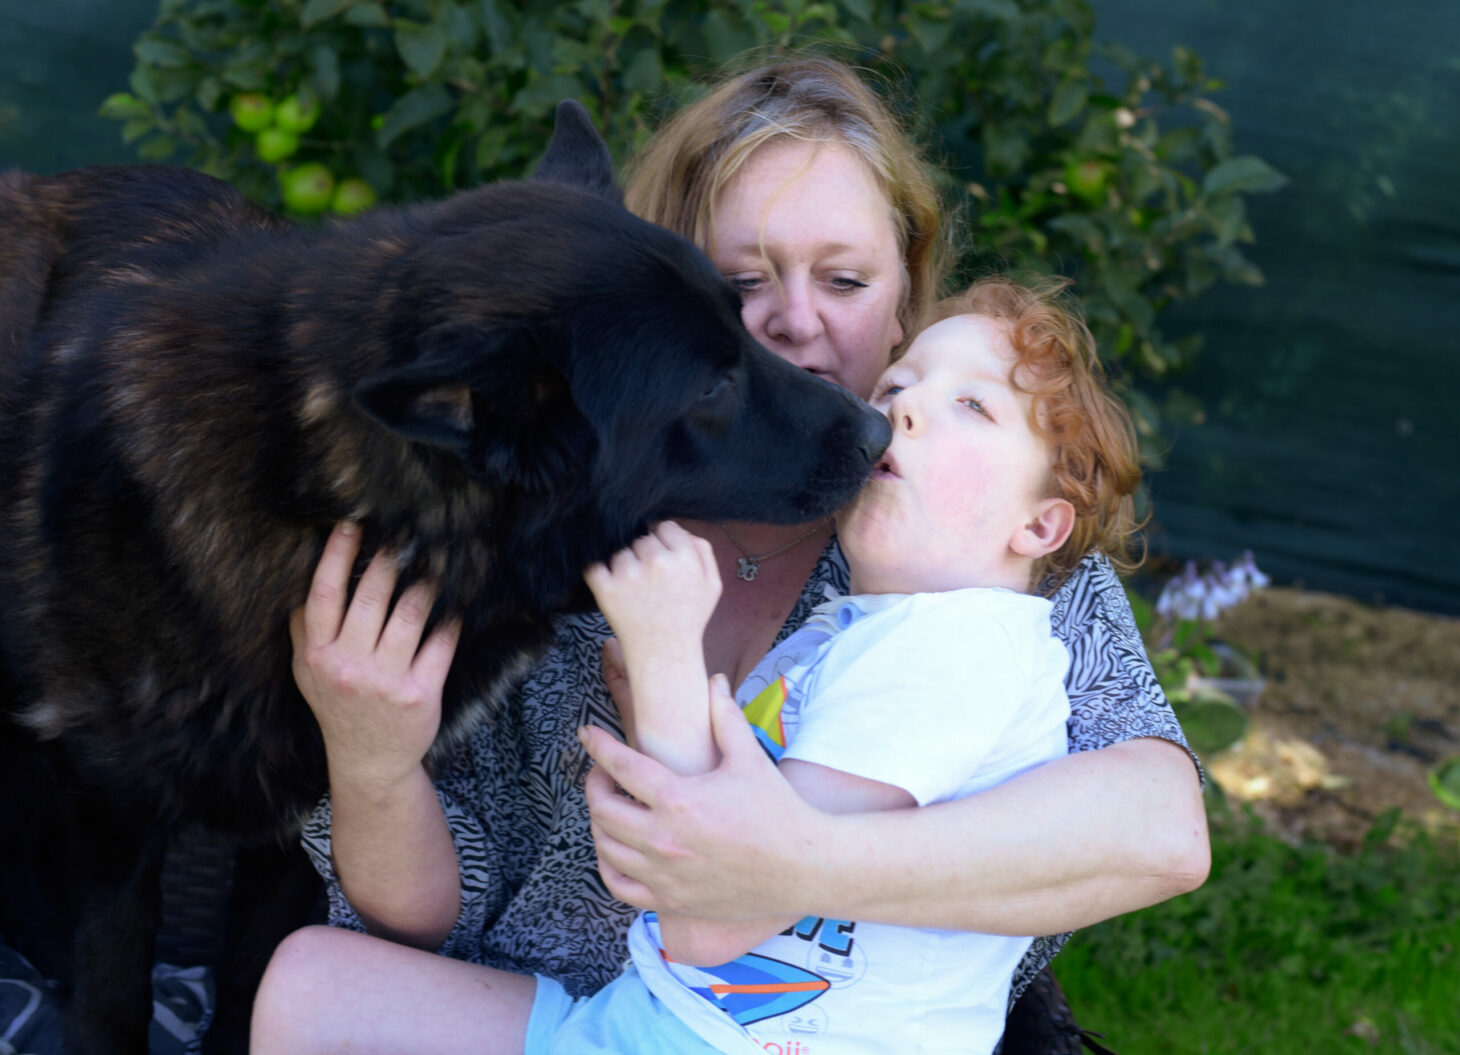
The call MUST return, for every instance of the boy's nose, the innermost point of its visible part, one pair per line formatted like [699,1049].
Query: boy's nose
[904,413]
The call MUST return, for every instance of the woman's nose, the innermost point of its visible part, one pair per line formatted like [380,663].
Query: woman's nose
[794,318]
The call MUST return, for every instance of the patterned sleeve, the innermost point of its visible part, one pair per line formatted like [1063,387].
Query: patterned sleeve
[1114,695]
[471,852]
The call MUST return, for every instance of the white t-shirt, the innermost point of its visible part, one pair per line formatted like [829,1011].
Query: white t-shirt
[944,695]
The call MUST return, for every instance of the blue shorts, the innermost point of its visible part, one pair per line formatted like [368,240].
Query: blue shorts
[623,1018]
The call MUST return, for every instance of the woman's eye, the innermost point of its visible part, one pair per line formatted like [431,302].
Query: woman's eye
[744,284]
[843,284]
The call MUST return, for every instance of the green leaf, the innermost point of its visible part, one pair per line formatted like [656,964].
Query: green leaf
[209,93]
[414,108]
[1445,782]
[1212,722]
[461,29]
[1124,295]
[1246,175]
[727,36]
[1005,149]
[123,105]
[316,11]
[422,47]
[161,52]
[141,84]
[645,72]
[543,93]
[136,128]
[367,16]
[157,148]
[1069,100]
[1002,10]
[497,22]
[326,69]
[931,33]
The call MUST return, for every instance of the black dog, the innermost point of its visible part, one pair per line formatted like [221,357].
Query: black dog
[503,387]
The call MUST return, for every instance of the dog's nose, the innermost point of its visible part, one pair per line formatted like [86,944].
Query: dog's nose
[876,435]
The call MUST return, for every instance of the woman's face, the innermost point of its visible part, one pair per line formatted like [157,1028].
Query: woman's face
[806,236]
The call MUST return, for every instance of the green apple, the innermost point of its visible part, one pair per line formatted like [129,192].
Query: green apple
[308,188]
[1087,179]
[295,115]
[351,196]
[251,111]
[276,144]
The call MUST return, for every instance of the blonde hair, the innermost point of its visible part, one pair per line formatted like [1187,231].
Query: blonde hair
[676,179]
[1094,457]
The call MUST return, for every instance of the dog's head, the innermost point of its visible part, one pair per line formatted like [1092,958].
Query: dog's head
[591,370]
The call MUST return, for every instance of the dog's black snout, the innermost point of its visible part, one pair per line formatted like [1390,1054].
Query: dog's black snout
[876,435]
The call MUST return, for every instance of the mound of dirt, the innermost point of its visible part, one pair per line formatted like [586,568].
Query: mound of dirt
[1360,704]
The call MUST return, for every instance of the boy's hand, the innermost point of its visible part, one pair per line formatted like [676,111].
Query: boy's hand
[661,589]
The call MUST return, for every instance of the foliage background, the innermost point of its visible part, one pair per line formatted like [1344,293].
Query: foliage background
[1323,436]
[1061,152]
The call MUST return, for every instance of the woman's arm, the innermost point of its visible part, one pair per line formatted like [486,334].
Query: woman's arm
[706,942]
[1069,843]
[375,690]
[1072,842]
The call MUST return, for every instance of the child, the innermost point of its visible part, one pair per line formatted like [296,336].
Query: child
[937,678]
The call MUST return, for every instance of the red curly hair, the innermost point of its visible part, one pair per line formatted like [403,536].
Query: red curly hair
[1094,459]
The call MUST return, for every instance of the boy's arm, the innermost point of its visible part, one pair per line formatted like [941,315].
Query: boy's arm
[658,596]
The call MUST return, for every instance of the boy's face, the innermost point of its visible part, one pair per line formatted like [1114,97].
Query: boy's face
[952,503]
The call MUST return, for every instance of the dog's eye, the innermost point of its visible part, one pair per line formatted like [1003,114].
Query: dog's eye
[717,389]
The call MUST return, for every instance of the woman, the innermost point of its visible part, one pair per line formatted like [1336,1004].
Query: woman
[801,188]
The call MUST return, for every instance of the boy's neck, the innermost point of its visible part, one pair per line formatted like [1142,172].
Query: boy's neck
[1015,574]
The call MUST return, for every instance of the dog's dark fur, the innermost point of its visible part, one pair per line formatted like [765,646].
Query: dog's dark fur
[503,387]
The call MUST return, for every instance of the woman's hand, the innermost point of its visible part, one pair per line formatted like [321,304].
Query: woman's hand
[722,845]
[375,690]
[374,686]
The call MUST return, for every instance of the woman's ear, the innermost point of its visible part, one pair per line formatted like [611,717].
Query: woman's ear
[1046,531]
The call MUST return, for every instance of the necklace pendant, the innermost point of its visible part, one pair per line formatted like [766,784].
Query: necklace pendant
[746,568]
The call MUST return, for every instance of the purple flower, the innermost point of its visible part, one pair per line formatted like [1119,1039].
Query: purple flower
[1192,595]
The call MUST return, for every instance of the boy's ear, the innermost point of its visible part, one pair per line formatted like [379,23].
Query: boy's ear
[1046,531]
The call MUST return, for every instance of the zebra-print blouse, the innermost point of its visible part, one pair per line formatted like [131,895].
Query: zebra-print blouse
[532,898]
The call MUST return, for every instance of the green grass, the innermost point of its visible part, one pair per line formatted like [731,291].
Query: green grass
[1284,950]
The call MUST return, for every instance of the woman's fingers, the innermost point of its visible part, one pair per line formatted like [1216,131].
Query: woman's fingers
[434,659]
[733,735]
[324,611]
[400,639]
[370,606]
[635,773]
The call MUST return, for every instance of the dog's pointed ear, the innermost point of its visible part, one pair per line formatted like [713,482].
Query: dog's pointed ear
[488,396]
[577,156]
[428,400]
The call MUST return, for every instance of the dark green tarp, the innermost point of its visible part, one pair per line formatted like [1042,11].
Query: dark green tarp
[1326,446]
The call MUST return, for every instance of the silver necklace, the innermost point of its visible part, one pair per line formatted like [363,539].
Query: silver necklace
[747,566]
